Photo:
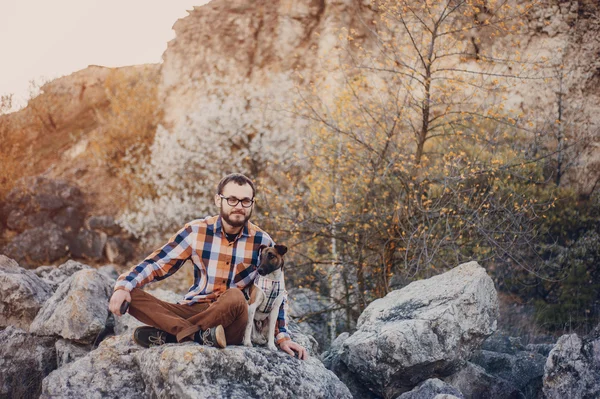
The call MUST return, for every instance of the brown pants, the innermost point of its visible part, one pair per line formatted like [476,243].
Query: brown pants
[229,310]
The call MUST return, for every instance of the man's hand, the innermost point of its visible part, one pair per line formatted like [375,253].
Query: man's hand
[290,347]
[117,298]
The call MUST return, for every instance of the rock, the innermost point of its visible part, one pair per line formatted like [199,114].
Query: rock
[332,361]
[119,250]
[523,369]
[502,343]
[475,383]
[307,314]
[36,200]
[44,244]
[78,310]
[307,341]
[88,244]
[120,368]
[572,369]
[235,372]
[431,388]
[427,329]
[107,372]
[109,271]
[18,221]
[104,223]
[542,349]
[69,218]
[68,352]
[22,294]
[24,361]
[54,276]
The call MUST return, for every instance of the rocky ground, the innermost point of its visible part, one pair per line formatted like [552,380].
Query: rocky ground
[434,338]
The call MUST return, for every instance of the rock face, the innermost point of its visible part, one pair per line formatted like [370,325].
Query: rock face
[573,368]
[523,369]
[88,244]
[49,217]
[307,312]
[120,368]
[107,372]
[429,328]
[78,309]
[433,389]
[24,361]
[236,372]
[68,352]
[22,294]
[46,213]
[54,276]
[475,383]
[44,244]
[34,201]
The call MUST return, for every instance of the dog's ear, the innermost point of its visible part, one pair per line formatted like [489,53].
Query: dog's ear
[281,249]
[262,246]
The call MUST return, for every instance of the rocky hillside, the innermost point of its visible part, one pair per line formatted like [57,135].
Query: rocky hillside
[232,75]
[59,130]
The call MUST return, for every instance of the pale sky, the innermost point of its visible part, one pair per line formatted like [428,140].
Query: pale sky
[46,39]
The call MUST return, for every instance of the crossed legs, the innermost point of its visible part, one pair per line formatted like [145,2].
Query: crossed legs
[229,310]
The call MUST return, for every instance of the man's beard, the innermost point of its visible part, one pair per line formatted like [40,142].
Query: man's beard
[235,223]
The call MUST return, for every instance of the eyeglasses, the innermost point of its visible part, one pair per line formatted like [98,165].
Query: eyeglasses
[232,201]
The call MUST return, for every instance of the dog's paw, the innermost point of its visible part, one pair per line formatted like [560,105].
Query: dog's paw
[272,347]
[248,343]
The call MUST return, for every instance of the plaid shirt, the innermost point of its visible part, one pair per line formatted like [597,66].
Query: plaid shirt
[218,263]
[272,289]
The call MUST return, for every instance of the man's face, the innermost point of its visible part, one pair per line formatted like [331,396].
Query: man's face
[235,216]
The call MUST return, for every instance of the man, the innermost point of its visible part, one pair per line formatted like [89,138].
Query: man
[224,251]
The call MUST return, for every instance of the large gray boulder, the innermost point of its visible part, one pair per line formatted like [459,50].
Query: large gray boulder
[25,360]
[572,369]
[120,368]
[69,351]
[118,250]
[433,389]
[236,372]
[475,383]
[54,276]
[105,223]
[308,314]
[110,371]
[78,310]
[523,369]
[44,244]
[88,244]
[37,200]
[429,328]
[332,361]
[22,294]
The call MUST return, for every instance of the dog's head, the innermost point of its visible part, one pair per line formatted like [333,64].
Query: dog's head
[271,259]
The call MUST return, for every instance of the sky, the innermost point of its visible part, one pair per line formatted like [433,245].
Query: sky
[42,40]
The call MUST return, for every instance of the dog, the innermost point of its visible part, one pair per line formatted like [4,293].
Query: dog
[266,296]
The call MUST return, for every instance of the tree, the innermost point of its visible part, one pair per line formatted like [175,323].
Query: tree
[417,164]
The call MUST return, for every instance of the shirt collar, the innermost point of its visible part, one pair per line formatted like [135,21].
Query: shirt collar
[218,228]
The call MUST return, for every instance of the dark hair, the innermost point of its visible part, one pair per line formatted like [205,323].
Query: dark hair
[237,178]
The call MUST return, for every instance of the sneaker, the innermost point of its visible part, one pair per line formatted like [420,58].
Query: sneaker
[147,336]
[214,336]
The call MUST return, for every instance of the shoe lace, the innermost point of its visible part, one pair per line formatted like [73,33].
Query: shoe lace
[156,340]
[207,339]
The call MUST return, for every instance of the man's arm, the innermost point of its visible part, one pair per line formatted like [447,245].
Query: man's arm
[159,265]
